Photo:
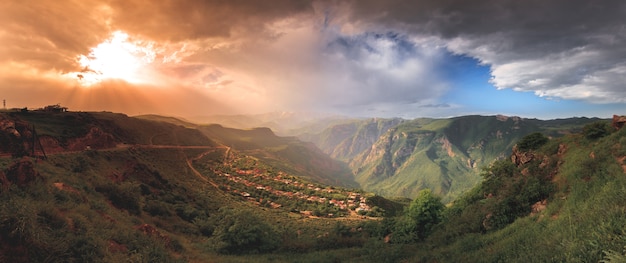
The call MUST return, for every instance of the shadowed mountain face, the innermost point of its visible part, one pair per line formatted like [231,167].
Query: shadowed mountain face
[288,153]
[396,157]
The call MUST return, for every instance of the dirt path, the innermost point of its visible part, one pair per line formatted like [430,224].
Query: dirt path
[199,175]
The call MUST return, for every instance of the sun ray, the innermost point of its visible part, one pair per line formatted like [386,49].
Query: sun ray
[118,57]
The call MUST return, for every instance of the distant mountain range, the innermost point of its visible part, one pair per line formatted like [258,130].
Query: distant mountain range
[396,157]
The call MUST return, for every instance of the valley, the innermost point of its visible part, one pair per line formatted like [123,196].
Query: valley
[105,187]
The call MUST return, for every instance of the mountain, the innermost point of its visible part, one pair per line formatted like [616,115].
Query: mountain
[105,187]
[344,141]
[288,153]
[283,123]
[557,200]
[395,157]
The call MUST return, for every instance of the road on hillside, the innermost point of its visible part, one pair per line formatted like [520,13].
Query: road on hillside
[210,149]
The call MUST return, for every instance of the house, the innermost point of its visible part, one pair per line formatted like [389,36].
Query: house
[55,108]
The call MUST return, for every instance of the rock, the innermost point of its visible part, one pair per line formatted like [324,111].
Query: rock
[562,150]
[8,126]
[618,122]
[538,207]
[521,158]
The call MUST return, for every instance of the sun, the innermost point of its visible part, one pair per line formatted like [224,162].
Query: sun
[119,58]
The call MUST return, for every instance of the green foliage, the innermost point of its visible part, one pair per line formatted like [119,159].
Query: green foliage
[125,196]
[611,256]
[532,141]
[422,215]
[243,232]
[425,210]
[581,187]
[596,130]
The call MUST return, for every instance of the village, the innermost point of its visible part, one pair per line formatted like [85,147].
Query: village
[279,190]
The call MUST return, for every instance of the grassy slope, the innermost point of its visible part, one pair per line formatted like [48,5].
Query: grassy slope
[583,220]
[137,203]
[443,154]
[287,153]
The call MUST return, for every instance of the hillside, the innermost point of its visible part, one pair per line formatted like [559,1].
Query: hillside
[118,188]
[158,192]
[557,200]
[288,153]
[400,157]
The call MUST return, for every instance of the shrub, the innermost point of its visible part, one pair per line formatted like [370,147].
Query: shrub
[244,232]
[156,208]
[532,141]
[596,130]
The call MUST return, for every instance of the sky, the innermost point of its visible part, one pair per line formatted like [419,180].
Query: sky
[364,58]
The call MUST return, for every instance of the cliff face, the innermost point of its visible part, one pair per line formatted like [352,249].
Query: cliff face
[399,158]
[19,138]
[346,141]
[442,155]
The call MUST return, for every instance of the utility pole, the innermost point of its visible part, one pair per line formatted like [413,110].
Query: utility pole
[4,104]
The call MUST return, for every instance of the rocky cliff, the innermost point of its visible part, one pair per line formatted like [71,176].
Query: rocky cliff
[400,157]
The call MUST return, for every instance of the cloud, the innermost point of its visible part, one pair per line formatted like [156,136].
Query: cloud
[174,20]
[362,57]
[563,49]
[49,34]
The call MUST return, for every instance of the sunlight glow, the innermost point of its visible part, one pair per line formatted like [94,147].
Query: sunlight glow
[117,58]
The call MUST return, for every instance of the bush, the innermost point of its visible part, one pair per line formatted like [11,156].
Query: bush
[423,214]
[241,232]
[596,130]
[156,208]
[532,141]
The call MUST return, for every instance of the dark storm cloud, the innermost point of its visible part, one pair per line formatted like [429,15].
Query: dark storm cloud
[195,19]
[350,55]
[49,34]
[561,48]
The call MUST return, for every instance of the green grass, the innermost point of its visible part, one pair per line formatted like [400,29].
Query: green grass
[583,220]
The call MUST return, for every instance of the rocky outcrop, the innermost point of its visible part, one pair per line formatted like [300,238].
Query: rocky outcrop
[8,127]
[618,122]
[15,136]
[446,146]
[94,139]
[520,158]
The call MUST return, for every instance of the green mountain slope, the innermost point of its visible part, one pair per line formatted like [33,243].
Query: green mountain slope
[400,158]
[288,153]
[557,202]
[158,192]
[344,141]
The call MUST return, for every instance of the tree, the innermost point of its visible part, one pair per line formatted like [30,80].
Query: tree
[423,214]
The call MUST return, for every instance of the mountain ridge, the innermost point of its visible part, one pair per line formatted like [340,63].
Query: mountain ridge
[447,152]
